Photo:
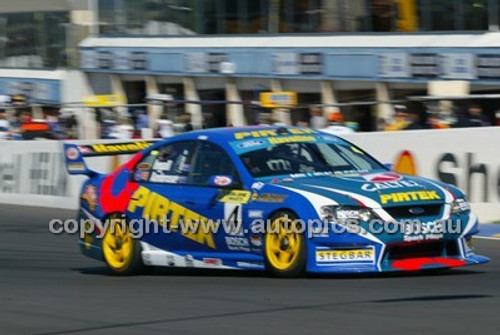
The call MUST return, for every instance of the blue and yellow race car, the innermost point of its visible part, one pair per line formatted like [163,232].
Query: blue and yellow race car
[282,199]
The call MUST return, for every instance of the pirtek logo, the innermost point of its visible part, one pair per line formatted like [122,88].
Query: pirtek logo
[156,207]
[409,196]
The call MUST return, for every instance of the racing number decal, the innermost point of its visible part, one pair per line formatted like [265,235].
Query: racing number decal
[233,218]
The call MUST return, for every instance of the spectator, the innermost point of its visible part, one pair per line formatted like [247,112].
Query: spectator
[53,121]
[337,125]
[473,117]
[25,117]
[400,120]
[414,122]
[71,125]
[435,122]
[4,126]
[165,128]
[142,120]
[186,120]
[317,120]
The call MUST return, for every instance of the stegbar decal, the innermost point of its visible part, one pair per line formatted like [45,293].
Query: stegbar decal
[409,196]
[156,207]
[225,198]
[333,256]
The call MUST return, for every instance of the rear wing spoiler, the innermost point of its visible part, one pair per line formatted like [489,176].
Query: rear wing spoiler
[74,154]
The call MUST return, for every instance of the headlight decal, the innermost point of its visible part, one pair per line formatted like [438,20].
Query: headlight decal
[460,206]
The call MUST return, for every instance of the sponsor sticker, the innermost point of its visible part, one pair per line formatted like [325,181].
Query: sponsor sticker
[345,256]
[269,197]
[73,167]
[114,148]
[255,214]
[249,265]
[212,261]
[156,207]
[272,132]
[237,243]
[409,196]
[236,197]
[258,185]
[291,139]
[90,195]
[381,177]
[72,153]
[250,144]
[222,181]
[373,187]
[167,179]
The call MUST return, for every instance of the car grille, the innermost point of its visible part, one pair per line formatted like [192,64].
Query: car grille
[405,212]
[416,250]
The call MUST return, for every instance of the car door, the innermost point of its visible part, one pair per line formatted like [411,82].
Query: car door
[162,176]
[215,192]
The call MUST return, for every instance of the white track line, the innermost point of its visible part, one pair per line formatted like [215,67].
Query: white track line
[487,238]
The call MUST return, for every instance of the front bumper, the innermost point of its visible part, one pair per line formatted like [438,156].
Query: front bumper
[355,253]
[392,258]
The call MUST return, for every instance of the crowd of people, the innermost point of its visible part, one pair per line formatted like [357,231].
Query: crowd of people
[470,115]
[17,124]
[412,117]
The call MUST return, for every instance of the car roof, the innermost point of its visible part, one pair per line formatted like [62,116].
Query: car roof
[227,133]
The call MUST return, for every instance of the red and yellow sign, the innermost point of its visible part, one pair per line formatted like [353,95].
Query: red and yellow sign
[405,164]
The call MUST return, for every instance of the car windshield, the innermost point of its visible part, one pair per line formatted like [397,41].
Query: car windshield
[299,157]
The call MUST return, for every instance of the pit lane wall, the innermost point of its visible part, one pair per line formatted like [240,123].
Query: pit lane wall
[33,173]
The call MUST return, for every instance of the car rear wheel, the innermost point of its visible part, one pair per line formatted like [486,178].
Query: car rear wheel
[122,253]
[285,246]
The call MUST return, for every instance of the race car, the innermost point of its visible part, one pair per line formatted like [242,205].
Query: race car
[283,199]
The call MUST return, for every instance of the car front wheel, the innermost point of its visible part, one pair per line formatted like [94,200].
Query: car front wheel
[285,249]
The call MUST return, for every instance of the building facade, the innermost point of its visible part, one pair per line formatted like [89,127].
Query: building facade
[330,52]
[214,57]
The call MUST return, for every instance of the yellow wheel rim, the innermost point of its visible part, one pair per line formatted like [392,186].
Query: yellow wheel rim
[117,244]
[283,244]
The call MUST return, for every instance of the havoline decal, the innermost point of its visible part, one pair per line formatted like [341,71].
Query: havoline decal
[101,149]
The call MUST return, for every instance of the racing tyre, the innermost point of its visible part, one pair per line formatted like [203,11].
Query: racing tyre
[285,251]
[121,252]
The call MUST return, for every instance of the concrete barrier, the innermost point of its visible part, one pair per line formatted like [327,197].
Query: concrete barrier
[33,173]
[468,158]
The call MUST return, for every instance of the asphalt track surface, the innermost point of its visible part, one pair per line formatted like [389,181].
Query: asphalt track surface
[47,287]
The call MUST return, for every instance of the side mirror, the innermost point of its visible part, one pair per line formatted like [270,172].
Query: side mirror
[389,166]
[221,181]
